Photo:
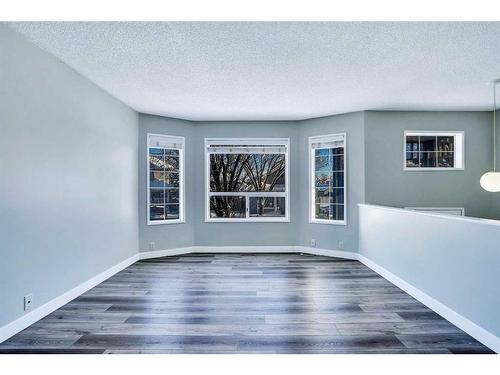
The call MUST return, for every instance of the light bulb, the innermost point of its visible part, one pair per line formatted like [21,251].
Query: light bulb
[490,181]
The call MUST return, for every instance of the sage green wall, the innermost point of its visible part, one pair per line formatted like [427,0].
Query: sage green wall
[336,237]
[160,237]
[387,183]
[245,234]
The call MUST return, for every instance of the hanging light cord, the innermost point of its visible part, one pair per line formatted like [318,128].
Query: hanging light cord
[494,125]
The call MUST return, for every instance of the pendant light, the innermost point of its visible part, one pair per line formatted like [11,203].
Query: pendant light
[490,181]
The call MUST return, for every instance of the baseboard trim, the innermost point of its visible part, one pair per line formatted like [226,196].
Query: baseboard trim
[249,249]
[327,252]
[28,319]
[466,325]
[165,252]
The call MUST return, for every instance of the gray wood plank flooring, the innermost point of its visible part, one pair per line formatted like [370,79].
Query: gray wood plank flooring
[244,303]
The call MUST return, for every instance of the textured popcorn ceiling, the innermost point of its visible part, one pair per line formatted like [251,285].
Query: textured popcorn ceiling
[264,71]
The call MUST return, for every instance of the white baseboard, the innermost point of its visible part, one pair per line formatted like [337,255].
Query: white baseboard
[479,333]
[243,249]
[165,253]
[327,252]
[249,249]
[28,319]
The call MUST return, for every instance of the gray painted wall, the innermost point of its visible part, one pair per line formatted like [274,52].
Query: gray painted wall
[68,177]
[388,184]
[375,168]
[167,236]
[457,265]
[245,234]
[328,236]
[196,231]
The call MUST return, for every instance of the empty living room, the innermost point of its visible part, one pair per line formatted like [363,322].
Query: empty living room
[225,188]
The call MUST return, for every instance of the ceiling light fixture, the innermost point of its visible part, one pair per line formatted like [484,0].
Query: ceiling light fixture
[490,181]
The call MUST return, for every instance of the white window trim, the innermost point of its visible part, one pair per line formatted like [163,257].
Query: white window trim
[312,200]
[182,195]
[281,141]
[435,133]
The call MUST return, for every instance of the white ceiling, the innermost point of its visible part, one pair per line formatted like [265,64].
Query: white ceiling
[280,71]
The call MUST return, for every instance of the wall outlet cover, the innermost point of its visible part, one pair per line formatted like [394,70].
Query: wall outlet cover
[28,302]
[313,243]
[152,246]
[341,245]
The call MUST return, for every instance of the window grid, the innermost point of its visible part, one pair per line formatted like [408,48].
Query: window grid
[245,204]
[165,185]
[328,179]
[335,210]
[433,150]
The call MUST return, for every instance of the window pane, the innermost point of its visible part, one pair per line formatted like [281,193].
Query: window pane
[267,206]
[156,179]
[411,143]
[323,179]
[337,150]
[322,164]
[156,212]
[322,152]
[156,162]
[172,196]
[336,195]
[172,152]
[446,159]
[171,163]
[157,196]
[427,143]
[445,143]
[227,207]
[171,211]
[156,151]
[412,159]
[322,195]
[428,159]
[171,179]
[337,212]
[247,172]
[322,211]
[337,179]
[337,162]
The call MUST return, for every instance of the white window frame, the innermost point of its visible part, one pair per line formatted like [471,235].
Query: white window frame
[312,191]
[458,153]
[182,195]
[284,142]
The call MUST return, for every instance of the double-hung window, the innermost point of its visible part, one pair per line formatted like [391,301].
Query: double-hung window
[327,182]
[434,150]
[165,179]
[247,180]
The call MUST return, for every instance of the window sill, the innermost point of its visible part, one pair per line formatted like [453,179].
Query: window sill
[432,169]
[329,222]
[261,220]
[166,222]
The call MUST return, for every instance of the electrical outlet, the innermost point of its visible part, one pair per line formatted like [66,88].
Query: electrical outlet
[313,243]
[28,302]
[152,246]
[341,245]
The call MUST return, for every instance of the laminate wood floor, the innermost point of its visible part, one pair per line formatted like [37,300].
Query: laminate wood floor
[244,303]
